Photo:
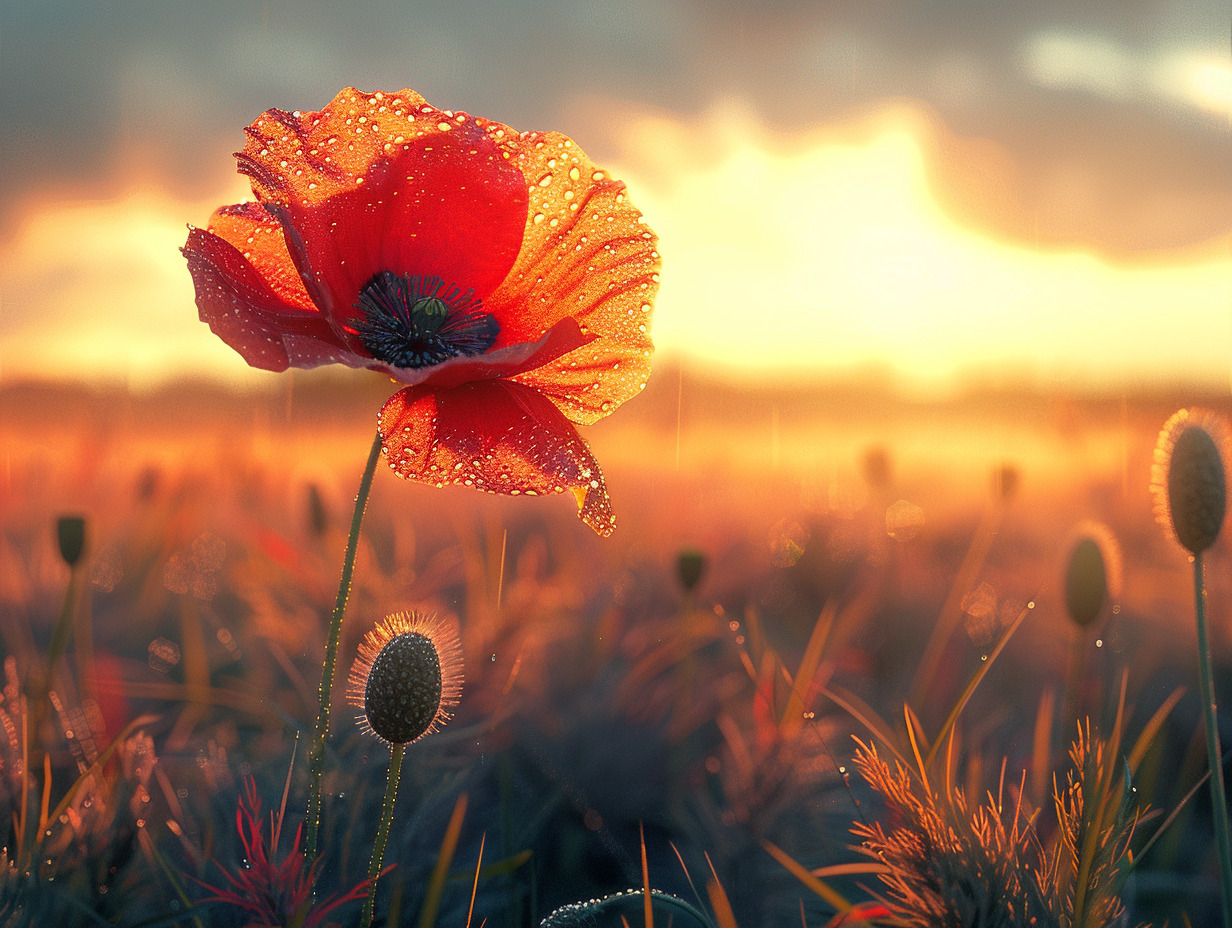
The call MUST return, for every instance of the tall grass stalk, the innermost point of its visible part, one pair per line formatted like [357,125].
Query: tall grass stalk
[1219,799]
[316,754]
[1189,483]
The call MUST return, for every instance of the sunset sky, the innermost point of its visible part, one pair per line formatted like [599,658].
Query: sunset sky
[937,190]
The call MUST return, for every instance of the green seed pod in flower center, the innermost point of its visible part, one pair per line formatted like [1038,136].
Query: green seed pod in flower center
[403,692]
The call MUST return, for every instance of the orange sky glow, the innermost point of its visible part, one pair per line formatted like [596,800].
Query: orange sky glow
[826,253]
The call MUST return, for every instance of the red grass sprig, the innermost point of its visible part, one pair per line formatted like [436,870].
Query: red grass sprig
[274,888]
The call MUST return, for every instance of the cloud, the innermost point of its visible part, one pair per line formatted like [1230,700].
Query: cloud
[98,290]
[1192,78]
[1127,99]
[835,251]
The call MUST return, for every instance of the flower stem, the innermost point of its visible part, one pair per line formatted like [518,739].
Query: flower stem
[382,834]
[1219,800]
[316,755]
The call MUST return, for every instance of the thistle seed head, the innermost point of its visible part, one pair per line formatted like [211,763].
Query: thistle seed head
[1092,572]
[407,676]
[690,567]
[1188,480]
[71,536]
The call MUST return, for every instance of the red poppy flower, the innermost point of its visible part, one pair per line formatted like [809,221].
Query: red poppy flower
[500,275]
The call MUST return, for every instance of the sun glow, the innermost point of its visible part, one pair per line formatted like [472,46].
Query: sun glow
[825,251]
[98,290]
[834,251]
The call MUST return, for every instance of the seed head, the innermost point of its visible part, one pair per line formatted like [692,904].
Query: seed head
[71,536]
[407,676]
[1005,480]
[318,514]
[690,566]
[1188,480]
[1092,572]
[878,468]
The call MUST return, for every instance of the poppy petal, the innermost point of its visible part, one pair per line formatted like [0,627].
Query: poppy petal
[386,182]
[261,317]
[494,435]
[586,254]
[258,237]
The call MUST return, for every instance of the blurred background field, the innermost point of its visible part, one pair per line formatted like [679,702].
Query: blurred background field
[601,695]
[934,275]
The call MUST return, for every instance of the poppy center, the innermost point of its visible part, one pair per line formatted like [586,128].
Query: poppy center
[413,321]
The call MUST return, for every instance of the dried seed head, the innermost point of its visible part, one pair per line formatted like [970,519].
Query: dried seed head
[690,566]
[1188,480]
[1005,480]
[407,676]
[1092,572]
[318,515]
[878,468]
[71,535]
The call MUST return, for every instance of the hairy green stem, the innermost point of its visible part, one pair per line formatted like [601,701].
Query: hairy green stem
[1219,799]
[382,834]
[316,755]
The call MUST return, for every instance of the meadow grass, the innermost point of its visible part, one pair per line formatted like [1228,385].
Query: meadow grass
[661,722]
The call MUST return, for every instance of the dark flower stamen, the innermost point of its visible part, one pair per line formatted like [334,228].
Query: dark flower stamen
[417,321]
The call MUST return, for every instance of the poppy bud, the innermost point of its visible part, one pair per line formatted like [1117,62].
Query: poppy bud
[877,467]
[1005,481]
[1188,480]
[318,515]
[690,567]
[1092,572]
[407,677]
[1086,583]
[71,534]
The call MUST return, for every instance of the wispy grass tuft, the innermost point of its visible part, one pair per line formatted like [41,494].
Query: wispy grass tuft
[952,863]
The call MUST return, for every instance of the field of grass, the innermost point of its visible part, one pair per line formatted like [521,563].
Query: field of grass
[862,552]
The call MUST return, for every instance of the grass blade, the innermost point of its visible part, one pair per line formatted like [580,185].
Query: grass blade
[975,681]
[436,883]
[805,876]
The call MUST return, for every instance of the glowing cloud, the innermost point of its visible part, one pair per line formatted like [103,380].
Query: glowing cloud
[98,290]
[1188,77]
[834,251]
